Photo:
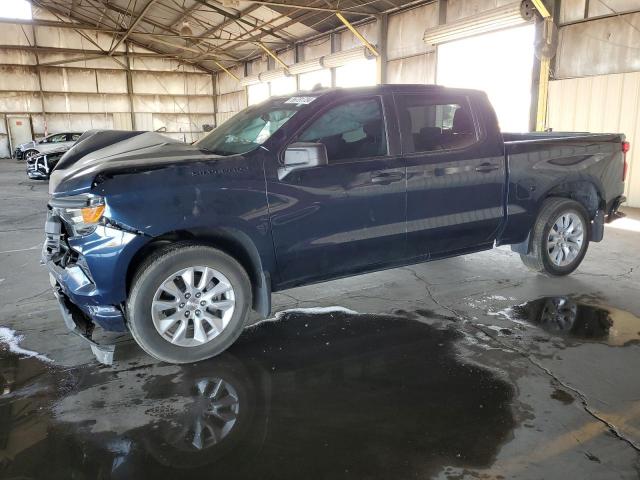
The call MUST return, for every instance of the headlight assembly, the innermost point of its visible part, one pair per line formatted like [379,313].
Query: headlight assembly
[81,213]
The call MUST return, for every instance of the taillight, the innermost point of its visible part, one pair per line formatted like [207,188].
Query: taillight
[625,148]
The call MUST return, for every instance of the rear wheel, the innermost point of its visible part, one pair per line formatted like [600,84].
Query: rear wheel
[559,238]
[188,302]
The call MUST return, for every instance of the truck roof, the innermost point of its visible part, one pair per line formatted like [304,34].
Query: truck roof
[386,88]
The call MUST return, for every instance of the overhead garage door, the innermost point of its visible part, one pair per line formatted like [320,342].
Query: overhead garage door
[501,64]
[603,103]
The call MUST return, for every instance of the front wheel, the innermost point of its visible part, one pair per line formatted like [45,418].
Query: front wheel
[559,238]
[30,154]
[188,302]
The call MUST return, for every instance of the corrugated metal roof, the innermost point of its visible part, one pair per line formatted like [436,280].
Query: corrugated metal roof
[210,33]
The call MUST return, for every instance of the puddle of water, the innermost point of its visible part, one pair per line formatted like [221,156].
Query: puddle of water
[571,318]
[311,396]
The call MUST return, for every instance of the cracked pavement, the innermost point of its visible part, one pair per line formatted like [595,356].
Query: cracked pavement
[576,401]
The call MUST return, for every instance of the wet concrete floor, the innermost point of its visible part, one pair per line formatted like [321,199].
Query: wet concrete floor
[573,318]
[332,395]
[470,367]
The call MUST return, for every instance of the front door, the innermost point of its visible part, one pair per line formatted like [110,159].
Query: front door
[455,174]
[347,216]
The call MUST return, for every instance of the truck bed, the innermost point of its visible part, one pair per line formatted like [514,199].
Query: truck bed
[584,166]
[536,138]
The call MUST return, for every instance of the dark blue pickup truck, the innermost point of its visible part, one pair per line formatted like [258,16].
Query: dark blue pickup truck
[178,243]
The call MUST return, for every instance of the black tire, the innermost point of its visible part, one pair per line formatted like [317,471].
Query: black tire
[154,270]
[538,258]
[25,155]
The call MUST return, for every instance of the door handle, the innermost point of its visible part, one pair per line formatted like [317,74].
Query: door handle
[386,177]
[487,167]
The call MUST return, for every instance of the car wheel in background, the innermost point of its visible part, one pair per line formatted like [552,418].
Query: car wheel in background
[30,153]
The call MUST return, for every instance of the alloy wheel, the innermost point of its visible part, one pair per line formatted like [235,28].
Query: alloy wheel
[193,306]
[565,239]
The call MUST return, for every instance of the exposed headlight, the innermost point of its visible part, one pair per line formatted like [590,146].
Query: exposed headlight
[81,213]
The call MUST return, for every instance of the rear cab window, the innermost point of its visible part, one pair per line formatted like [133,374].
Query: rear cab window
[435,123]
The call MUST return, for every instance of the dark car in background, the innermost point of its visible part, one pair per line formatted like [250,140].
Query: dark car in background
[178,243]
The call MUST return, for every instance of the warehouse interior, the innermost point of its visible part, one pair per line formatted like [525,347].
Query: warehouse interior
[467,384]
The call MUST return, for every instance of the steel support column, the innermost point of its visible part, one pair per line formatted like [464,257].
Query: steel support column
[382,24]
[544,67]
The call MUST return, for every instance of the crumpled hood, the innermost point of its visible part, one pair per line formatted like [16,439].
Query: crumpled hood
[26,146]
[113,150]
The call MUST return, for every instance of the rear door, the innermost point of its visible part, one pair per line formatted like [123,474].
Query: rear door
[347,216]
[455,173]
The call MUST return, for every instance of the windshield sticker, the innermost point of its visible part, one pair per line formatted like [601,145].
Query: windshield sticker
[301,100]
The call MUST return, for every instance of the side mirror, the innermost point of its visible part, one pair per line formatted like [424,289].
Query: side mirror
[301,155]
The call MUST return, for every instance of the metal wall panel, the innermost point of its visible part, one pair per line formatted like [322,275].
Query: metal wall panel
[417,69]
[610,6]
[17,57]
[405,30]
[601,104]
[316,49]
[122,121]
[457,9]
[571,10]
[369,31]
[68,80]
[16,35]
[18,78]
[225,83]
[20,102]
[112,81]
[85,103]
[597,47]
[172,104]
[172,83]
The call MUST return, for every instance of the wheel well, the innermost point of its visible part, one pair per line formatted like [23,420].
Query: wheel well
[231,243]
[583,192]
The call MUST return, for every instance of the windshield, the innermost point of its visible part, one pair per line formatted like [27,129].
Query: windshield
[252,127]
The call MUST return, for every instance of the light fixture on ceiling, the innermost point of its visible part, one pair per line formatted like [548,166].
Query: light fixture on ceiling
[185,29]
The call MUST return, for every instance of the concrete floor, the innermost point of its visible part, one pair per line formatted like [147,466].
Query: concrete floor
[471,367]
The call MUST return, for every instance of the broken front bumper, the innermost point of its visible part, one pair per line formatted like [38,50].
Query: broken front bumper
[78,325]
[88,273]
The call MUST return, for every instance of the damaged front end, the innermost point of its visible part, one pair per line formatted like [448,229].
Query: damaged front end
[87,257]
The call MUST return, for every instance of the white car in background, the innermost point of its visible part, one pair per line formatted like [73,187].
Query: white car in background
[51,143]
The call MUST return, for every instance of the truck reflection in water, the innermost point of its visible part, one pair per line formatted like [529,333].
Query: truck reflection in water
[309,396]
[575,319]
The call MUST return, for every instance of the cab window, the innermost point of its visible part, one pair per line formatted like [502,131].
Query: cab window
[430,124]
[61,137]
[351,130]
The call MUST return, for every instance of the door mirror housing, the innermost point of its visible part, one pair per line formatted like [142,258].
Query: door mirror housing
[301,155]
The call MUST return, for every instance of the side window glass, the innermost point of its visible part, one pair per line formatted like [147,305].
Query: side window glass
[432,124]
[74,137]
[57,138]
[351,130]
